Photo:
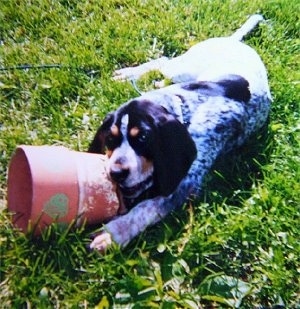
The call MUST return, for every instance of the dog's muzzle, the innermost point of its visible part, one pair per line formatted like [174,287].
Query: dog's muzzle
[119,175]
[136,190]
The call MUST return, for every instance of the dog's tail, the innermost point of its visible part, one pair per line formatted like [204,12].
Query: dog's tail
[247,27]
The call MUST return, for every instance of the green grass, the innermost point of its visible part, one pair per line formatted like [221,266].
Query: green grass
[237,245]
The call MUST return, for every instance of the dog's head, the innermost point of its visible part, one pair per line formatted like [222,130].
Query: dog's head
[148,149]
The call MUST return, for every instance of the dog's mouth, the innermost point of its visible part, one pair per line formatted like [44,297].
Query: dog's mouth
[136,190]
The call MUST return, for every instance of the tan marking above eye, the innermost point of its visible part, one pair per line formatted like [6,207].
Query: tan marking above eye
[114,130]
[134,131]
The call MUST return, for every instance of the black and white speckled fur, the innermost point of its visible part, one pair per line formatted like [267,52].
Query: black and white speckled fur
[218,121]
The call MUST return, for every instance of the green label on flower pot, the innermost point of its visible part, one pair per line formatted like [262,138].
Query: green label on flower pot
[57,206]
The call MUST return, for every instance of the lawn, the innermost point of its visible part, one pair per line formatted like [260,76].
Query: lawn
[237,245]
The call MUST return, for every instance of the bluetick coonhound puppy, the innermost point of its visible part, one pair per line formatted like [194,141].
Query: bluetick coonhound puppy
[160,145]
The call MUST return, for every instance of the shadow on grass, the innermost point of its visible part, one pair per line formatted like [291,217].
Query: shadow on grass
[238,170]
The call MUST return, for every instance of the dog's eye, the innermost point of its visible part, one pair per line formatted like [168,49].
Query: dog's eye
[143,137]
[112,142]
[140,139]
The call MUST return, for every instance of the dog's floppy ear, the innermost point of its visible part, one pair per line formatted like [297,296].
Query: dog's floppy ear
[98,143]
[174,156]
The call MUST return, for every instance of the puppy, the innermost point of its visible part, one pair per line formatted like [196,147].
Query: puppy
[161,144]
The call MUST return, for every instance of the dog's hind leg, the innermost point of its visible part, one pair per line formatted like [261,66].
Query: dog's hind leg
[134,73]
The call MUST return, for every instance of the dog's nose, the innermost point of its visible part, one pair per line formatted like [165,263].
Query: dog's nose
[118,173]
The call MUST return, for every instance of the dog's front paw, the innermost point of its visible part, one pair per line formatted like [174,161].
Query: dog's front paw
[101,242]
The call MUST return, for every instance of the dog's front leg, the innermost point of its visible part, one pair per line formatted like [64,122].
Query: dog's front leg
[124,228]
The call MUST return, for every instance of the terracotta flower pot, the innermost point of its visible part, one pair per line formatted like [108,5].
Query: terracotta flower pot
[49,184]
